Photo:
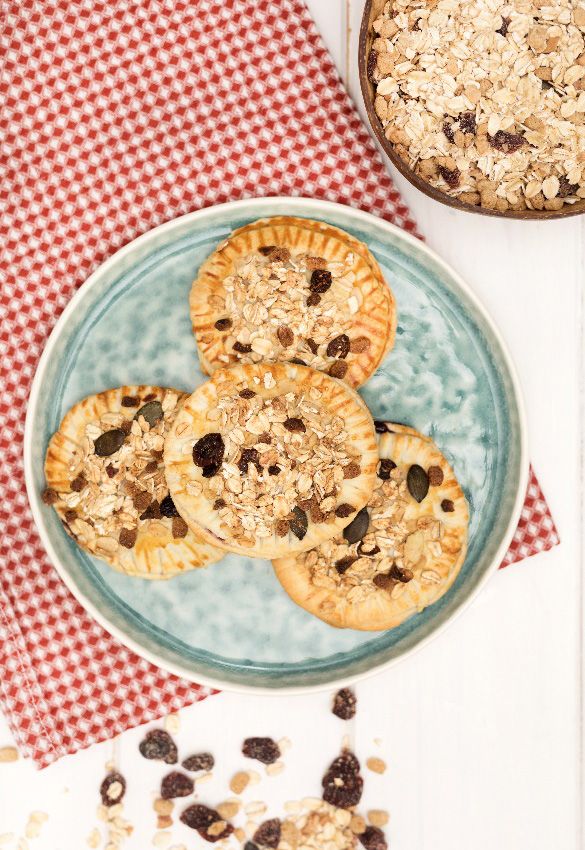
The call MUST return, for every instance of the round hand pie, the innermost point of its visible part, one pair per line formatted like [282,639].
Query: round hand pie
[292,289]
[269,459]
[399,554]
[105,478]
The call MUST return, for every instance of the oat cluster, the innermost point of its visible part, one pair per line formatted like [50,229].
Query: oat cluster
[281,463]
[485,99]
[284,307]
[117,478]
[388,551]
[313,824]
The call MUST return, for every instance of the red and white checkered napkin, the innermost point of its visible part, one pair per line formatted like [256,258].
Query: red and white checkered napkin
[117,117]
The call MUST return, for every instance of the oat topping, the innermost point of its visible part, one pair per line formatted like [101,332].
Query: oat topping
[278,466]
[284,307]
[486,99]
[117,480]
[379,550]
[314,824]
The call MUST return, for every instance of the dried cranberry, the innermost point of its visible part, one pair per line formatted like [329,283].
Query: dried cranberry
[313,300]
[127,537]
[342,784]
[566,188]
[448,131]
[223,324]
[265,750]
[199,761]
[247,394]
[199,816]
[467,122]
[401,574]
[266,249]
[49,496]
[285,336]
[373,839]
[130,401]
[249,456]
[268,834]
[176,784]
[78,483]
[242,348]
[450,176]
[344,564]
[338,369]
[344,704]
[167,507]
[506,142]
[448,506]
[293,423]
[211,470]
[380,427]
[339,347]
[209,451]
[436,476]
[321,281]
[111,470]
[504,28]
[383,581]
[385,468]
[109,790]
[159,745]
[313,347]
[344,510]
[152,511]
[273,470]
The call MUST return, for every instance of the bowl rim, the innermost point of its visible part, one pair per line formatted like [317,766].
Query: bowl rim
[414,179]
[260,205]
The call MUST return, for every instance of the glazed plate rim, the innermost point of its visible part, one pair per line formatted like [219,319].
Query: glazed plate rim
[259,207]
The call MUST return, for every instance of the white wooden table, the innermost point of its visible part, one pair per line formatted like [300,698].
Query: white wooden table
[481,730]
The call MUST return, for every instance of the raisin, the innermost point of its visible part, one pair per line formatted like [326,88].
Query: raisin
[209,451]
[316,513]
[417,482]
[373,839]
[401,574]
[249,456]
[384,582]
[199,761]
[127,537]
[265,438]
[506,142]
[247,393]
[150,397]
[313,300]
[126,426]
[219,504]
[339,347]
[380,427]
[179,528]
[278,254]
[141,500]
[467,122]
[151,412]
[298,523]
[344,704]
[199,816]
[385,468]
[130,401]
[110,470]
[321,281]
[249,845]
[505,24]
[223,325]
[112,789]
[176,784]
[70,515]
[273,470]
[436,476]
[344,510]
[294,424]
[372,60]
[450,176]
[268,834]
[448,506]
[159,745]
[448,131]
[265,250]
[358,527]
[78,483]
[338,369]
[152,511]
[365,552]
[281,527]
[298,361]
[262,749]
[313,346]
[344,564]
[49,496]
[315,263]
[167,507]
[342,784]
[285,336]
[242,348]
[359,345]
[566,188]
[109,442]
[150,467]
[352,470]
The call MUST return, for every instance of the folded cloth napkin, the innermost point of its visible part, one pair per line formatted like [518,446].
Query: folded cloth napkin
[117,117]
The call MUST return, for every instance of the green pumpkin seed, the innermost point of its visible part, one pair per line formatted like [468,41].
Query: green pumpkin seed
[152,412]
[358,527]
[109,442]
[417,482]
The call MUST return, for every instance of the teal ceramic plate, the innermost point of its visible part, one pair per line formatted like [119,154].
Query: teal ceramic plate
[232,625]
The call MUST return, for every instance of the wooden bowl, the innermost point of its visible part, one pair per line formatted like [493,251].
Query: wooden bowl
[372,10]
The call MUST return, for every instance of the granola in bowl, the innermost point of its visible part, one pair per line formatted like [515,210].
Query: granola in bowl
[290,289]
[268,459]
[399,554]
[485,100]
[105,478]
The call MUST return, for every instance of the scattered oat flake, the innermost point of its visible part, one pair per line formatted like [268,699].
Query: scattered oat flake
[93,839]
[375,764]
[378,817]
[275,768]
[172,723]
[239,782]
[8,754]
[6,837]
[162,840]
